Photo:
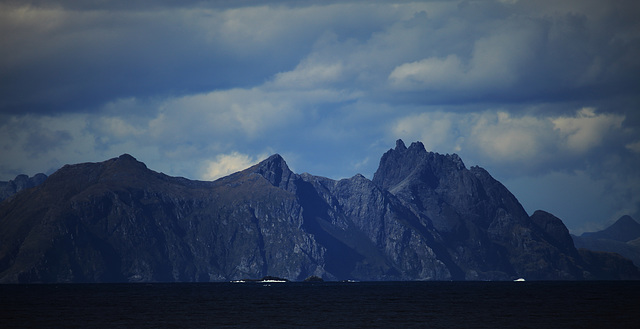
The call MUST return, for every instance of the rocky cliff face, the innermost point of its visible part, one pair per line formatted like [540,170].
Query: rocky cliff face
[485,231]
[424,216]
[119,221]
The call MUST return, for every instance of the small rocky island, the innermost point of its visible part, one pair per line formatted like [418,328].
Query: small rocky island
[313,278]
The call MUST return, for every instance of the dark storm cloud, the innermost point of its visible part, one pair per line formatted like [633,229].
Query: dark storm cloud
[74,57]
[525,54]
[541,93]
[73,60]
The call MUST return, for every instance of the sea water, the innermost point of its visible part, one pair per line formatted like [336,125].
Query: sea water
[599,304]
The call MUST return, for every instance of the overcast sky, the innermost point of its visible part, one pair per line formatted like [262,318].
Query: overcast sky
[545,95]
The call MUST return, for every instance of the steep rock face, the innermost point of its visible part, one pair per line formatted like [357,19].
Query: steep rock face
[358,225]
[555,231]
[276,171]
[388,241]
[119,221]
[424,216]
[483,227]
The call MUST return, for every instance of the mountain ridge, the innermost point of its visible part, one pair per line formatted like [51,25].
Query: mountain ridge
[21,182]
[424,216]
[624,229]
[621,237]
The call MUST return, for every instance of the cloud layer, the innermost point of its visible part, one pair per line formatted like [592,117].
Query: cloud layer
[543,94]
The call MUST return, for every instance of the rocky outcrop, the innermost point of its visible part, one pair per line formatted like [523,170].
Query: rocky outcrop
[20,183]
[424,216]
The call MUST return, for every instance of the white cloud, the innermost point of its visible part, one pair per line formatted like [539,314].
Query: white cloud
[541,141]
[117,127]
[309,75]
[226,164]
[245,113]
[502,137]
[497,60]
[238,115]
[587,129]
[429,73]
[488,136]
[526,143]
[438,131]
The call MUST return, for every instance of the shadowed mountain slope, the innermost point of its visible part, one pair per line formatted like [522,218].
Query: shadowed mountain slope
[624,229]
[480,224]
[622,237]
[424,216]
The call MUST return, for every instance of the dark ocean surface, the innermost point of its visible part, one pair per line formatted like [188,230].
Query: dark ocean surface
[610,304]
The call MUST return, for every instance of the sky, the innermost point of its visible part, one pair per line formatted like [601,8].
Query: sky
[545,95]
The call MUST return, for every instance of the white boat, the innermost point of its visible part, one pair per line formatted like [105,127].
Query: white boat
[519,280]
[266,279]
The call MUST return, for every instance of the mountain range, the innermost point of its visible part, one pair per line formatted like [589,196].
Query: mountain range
[423,216]
[20,183]
[622,237]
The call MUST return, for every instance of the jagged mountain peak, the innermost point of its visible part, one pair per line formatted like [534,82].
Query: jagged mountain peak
[274,158]
[400,165]
[416,147]
[276,171]
[119,221]
[273,162]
